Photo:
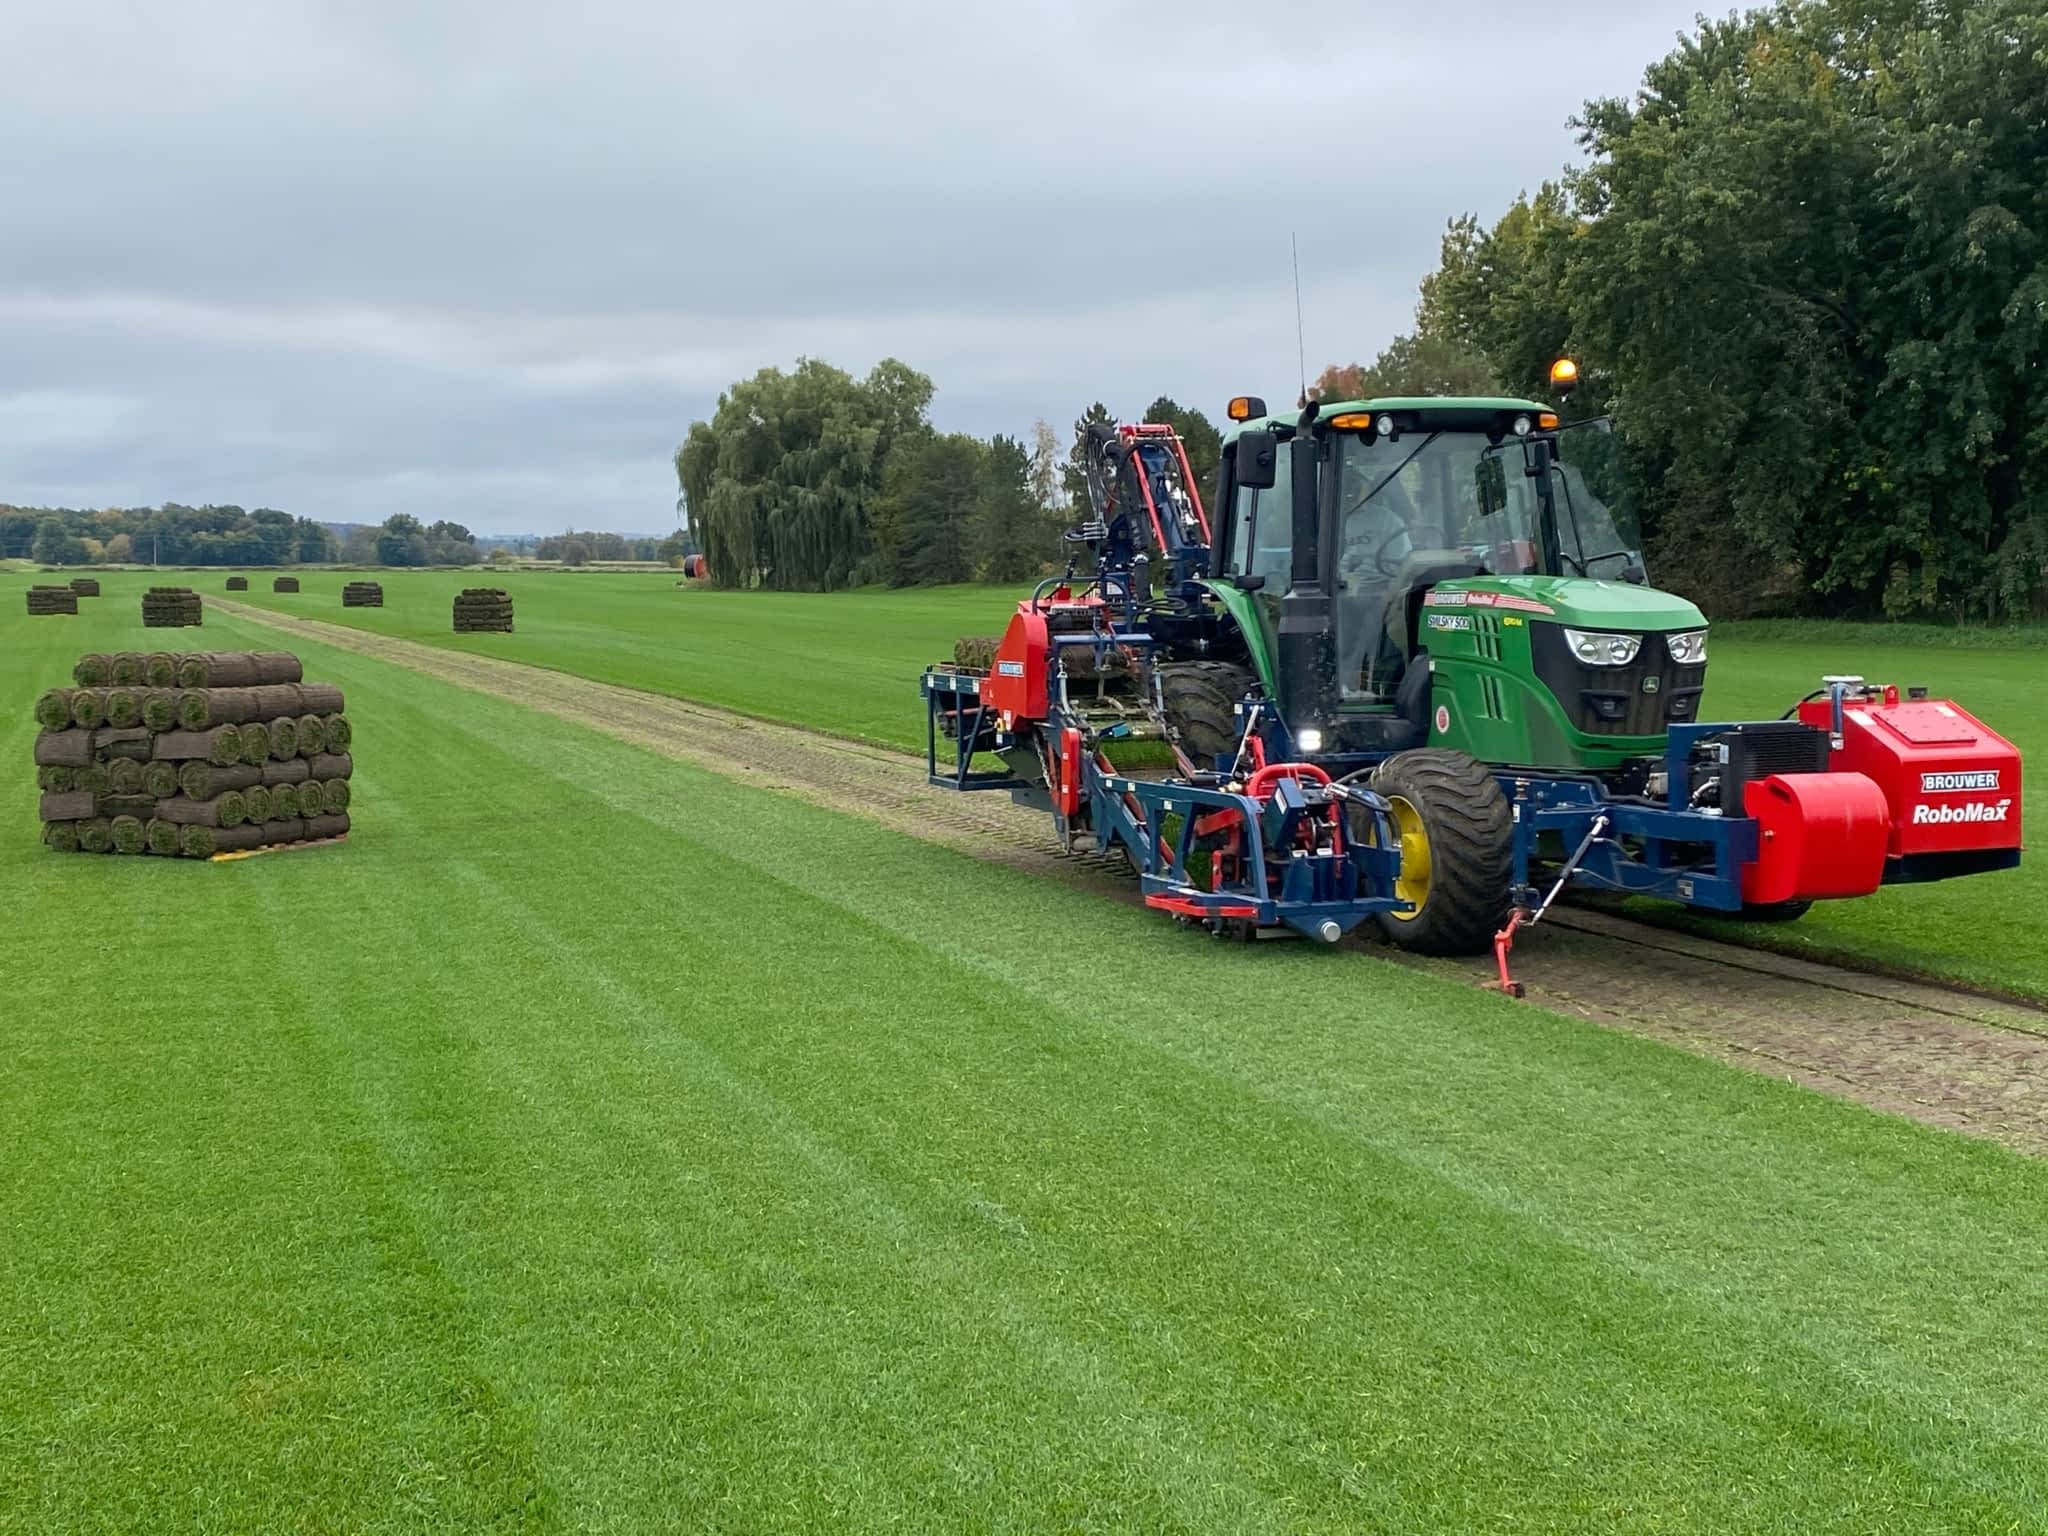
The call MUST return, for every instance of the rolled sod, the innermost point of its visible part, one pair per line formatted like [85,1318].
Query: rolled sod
[160,709]
[95,836]
[339,732]
[227,809]
[85,586]
[238,583]
[318,827]
[221,746]
[312,735]
[62,836]
[205,842]
[160,669]
[128,835]
[284,739]
[126,670]
[284,802]
[89,707]
[124,708]
[291,831]
[255,741]
[161,836]
[93,670]
[332,765]
[56,779]
[124,776]
[125,805]
[160,780]
[202,781]
[238,669]
[288,770]
[256,802]
[66,749]
[76,806]
[320,699]
[53,708]
[276,700]
[285,584]
[133,741]
[93,779]
[334,794]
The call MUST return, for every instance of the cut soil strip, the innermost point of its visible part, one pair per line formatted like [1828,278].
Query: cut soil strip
[1940,1055]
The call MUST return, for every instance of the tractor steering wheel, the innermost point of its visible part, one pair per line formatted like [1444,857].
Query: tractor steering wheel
[1379,556]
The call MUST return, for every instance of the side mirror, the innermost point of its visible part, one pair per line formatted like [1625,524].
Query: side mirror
[1258,456]
[1249,583]
[1634,571]
[1490,479]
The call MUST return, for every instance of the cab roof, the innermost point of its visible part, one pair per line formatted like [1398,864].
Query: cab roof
[1455,405]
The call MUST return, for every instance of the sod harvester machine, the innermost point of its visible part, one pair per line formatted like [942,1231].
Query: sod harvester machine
[1415,674]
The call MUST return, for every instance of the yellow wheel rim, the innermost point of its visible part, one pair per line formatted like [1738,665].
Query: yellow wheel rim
[1412,884]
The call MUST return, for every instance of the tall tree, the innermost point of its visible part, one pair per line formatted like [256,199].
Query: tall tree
[930,486]
[1006,534]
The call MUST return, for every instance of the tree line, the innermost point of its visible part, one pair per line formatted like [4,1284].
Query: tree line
[1806,267]
[171,534]
[815,480]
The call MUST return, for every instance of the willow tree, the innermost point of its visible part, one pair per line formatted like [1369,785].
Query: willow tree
[780,483]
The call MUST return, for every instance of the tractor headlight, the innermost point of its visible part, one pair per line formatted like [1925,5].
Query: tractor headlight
[1309,740]
[1598,650]
[1688,647]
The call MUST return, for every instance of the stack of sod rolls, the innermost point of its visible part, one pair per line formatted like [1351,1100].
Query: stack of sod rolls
[45,600]
[285,584]
[170,608]
[238,583]
[86,586]
[363,594]
[481,609]
[196,754]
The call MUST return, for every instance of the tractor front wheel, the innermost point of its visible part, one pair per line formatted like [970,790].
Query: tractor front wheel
[1457,855]
[1201,699]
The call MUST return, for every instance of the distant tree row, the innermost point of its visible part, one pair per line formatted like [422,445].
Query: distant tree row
[814,480]
[579,548]
[171,534]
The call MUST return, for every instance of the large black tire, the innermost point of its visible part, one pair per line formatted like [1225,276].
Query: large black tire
[1457,838]
[1201,699]
[1775,912]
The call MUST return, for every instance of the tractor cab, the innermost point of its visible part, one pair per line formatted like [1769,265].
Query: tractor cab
[1394,546]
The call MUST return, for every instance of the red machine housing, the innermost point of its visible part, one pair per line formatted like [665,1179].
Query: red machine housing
[1819,836]
[1951,784]
[1017,682]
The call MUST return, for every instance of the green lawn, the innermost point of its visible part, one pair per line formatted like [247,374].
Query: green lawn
[848,663]
[597,1145]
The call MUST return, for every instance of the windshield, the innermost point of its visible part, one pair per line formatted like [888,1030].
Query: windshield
[1445,494]
[1596,503]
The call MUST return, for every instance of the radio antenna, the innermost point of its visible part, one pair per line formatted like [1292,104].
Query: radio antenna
[1300,336]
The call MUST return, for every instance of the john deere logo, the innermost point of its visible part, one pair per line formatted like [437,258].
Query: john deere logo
[1652,684]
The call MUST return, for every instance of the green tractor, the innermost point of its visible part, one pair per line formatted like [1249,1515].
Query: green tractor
[1434,614]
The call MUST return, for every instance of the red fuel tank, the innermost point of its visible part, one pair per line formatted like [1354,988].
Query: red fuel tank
[1951,783]
[1820,836]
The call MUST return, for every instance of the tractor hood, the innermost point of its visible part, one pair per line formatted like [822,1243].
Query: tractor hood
[1574,600]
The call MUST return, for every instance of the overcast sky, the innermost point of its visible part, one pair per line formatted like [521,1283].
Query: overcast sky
[488,261]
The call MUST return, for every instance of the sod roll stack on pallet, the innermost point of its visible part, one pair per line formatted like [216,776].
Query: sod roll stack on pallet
[170,608]
[481,610]
[363,594]
[194,755]
[86,586]
[238,583]
[49,600]
[284,584]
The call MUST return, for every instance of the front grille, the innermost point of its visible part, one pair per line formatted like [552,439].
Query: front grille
[1644,698]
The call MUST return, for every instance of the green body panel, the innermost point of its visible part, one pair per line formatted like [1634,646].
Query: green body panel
[1245,612]
[1485,696]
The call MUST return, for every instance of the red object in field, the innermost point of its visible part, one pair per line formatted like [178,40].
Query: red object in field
[696,567]
[1952,784]
[1069,796]
[1016,683]
[1819,836]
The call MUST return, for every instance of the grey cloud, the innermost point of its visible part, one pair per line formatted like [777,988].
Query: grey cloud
[488,262]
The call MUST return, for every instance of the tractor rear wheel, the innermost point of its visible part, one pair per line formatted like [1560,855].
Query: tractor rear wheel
[1775,911]
[1457,851]
[1201,700]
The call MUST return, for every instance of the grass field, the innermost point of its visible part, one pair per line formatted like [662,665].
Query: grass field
[848,663]
[597,1145]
